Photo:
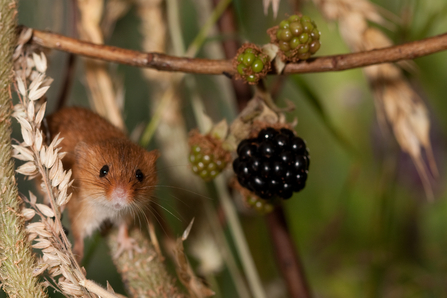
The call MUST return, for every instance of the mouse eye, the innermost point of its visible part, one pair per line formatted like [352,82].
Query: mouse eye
[104,170]
[139,175]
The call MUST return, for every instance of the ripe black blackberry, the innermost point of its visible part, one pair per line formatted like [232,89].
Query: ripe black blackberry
[274,164]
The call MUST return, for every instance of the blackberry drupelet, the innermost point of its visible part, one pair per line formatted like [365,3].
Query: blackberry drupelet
[274,164]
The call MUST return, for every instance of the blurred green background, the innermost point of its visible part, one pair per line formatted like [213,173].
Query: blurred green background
[362,225]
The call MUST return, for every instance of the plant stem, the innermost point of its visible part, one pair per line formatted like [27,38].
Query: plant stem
[203,33]
[16,258]
[239,239]
[228,27]
[144,275]
[410,50]
[161,108]
[286,255]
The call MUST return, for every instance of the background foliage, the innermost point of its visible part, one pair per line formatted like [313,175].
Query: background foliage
[362,225]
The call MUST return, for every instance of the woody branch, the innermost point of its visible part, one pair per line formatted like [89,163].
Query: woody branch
[406,51]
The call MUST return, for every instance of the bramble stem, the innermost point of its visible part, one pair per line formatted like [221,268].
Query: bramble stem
[406,51]
[286,254]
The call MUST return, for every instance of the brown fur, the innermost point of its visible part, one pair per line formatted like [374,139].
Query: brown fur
[91,143]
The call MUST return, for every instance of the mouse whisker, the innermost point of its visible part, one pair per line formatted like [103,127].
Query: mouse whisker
[155,214]
[167,210]
[182,189]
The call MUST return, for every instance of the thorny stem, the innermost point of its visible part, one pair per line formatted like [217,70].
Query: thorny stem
[227,26]
[287,257]
[16,259]
[410,50]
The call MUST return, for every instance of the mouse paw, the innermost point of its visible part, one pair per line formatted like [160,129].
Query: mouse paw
[127,244]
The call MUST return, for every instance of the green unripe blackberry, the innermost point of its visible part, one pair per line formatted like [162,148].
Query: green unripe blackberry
[206,166]
[261,206]
[297,38]
[251,64]
[206,156]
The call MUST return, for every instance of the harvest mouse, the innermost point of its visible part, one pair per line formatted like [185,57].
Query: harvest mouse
[114,178]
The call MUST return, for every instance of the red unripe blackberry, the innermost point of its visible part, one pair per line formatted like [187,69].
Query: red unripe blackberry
[274,164]
[297,38]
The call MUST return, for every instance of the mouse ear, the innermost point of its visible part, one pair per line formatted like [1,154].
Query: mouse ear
[152,155]
[81,151]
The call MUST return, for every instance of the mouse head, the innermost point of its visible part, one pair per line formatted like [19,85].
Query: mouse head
[116,173]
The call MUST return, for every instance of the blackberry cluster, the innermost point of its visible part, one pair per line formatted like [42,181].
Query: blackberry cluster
[297,37]
[274,164]
[251,63]
[207,166]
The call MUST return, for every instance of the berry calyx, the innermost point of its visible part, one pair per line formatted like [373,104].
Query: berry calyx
[273,164]
[297,38]
[251,64]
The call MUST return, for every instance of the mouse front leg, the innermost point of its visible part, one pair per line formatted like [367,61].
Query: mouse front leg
[125,242]
[76,226]
[78,247]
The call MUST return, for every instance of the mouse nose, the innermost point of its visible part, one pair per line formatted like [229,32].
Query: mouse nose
[119,197]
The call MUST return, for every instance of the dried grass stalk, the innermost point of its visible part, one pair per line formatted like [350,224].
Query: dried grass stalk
[114,10]
[44,162]
[396,102]
[17,262]
[275,6]
[151,13]
[104,97]
[195,286]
